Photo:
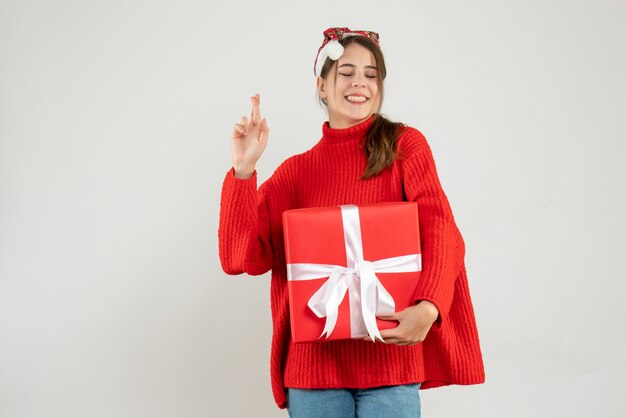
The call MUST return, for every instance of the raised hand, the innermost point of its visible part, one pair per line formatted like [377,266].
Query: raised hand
[249,140]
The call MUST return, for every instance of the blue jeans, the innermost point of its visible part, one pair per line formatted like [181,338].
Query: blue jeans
[402,401]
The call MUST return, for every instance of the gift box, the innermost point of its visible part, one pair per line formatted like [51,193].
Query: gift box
[346,264]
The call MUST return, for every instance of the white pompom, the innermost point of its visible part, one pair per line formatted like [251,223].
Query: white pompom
[334,50]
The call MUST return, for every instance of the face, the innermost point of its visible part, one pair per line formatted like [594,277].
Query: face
[353,96]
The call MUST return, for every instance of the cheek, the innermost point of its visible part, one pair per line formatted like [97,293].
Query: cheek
[343,83]
[375,93]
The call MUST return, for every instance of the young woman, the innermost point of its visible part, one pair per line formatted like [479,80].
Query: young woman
[361,158]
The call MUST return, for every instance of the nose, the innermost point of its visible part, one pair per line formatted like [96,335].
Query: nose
[358,80]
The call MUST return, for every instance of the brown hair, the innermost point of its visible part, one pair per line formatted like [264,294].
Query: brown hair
[382,135]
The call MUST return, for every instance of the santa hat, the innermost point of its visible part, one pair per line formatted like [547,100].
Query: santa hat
[331,48]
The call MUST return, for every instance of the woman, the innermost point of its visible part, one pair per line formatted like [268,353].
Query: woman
[361,158]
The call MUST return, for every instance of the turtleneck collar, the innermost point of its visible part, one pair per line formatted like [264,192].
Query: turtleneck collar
[345,135]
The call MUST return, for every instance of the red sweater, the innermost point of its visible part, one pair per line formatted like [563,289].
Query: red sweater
[251,241]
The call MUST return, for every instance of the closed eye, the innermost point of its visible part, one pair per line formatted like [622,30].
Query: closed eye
[350,75]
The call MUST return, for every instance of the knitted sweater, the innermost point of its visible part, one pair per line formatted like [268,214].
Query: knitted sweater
[251,241]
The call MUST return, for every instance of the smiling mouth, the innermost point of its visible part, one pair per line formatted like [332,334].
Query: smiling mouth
[357,99]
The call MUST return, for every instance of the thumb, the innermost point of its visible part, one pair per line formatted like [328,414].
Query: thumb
[395,316]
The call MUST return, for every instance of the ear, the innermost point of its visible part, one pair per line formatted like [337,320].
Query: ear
[321,86]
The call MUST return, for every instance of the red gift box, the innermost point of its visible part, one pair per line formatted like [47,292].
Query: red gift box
[346,264]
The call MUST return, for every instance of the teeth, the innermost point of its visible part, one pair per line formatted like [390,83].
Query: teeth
[356,98]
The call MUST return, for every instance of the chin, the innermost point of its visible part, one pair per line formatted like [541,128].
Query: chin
[362,116]
[353,116]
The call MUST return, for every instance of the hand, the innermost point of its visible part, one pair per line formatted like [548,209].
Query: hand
[249,139]
[415,322]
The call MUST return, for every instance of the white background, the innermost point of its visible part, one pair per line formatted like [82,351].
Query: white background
[115,123]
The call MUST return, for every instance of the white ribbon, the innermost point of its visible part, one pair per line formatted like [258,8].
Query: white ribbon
[368,297]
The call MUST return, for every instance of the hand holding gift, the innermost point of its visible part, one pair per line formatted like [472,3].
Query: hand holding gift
[415,322]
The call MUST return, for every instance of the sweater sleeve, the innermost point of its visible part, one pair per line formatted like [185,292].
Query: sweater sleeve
[442,246]
[244,226]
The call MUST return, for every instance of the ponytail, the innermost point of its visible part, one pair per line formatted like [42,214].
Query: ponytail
[380,145]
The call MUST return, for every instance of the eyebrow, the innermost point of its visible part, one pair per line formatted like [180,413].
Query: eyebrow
[352,65]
